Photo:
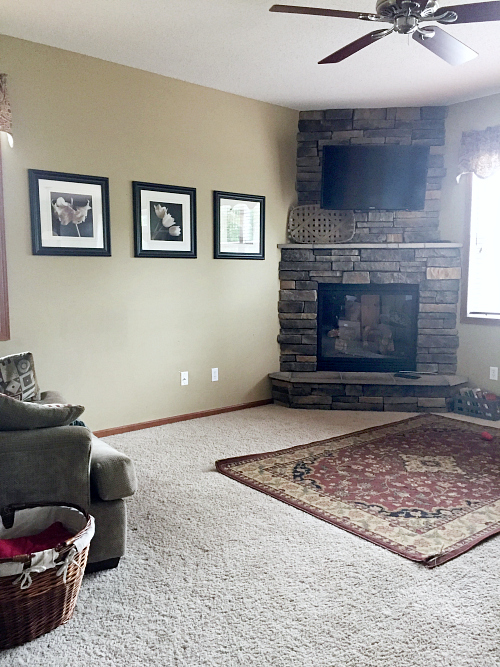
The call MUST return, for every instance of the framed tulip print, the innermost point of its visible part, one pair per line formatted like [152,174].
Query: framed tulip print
[69,214]
[164,220]
[238,226]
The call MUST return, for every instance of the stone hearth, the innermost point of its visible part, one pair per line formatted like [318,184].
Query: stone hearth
[327,390]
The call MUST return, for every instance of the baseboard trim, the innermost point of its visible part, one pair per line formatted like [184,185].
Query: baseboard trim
[179,418]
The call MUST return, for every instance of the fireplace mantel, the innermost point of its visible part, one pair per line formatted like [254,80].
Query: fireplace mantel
[344,246]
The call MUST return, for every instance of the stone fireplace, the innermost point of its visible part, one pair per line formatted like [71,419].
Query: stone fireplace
[433,267]
[431,270]
[400,249]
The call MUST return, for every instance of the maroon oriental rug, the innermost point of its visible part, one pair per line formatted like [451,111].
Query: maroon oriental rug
[427,487]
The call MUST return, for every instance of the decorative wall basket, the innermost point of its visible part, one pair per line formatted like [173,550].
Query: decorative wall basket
[312,224]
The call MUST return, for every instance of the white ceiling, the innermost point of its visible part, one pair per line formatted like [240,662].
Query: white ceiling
[240,47]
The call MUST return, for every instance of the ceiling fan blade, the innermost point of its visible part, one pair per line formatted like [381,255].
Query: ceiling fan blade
[354,47]
[445,46]
[475,12]
[317,11]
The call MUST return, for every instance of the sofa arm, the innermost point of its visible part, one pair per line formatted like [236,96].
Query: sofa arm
[49,397]
[45,465]
[112,474]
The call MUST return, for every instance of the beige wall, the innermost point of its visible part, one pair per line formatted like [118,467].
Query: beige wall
[479,344]
[113,333]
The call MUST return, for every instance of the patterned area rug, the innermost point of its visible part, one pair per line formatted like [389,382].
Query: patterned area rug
[427,487]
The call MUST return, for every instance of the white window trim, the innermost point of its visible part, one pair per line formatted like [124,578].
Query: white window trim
[466,314]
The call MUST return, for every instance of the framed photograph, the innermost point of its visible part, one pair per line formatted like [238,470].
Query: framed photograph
[238,226]
[69,214]
[164,220]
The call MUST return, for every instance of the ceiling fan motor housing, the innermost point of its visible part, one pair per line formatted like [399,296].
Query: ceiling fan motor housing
[405,15]
[391,7]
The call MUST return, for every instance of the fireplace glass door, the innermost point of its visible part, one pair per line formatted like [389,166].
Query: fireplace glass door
[367,327]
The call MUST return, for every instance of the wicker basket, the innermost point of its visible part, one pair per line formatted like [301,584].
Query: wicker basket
[312,224]
[38,592]
[477,407]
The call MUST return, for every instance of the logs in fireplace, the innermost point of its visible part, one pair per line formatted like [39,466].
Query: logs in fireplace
[367,327]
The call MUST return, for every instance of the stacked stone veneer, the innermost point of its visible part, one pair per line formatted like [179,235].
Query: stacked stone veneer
[406,125]
[434,267]
[364,391]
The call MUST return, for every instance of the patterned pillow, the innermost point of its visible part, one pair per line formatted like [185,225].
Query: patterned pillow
[21,415]
[17,377]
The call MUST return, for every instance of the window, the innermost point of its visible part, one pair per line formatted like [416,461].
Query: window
[481,293]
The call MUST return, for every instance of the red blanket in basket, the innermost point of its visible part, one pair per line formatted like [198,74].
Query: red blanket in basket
[47,539]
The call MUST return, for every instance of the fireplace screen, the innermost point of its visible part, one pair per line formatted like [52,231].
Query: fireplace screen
[367,327]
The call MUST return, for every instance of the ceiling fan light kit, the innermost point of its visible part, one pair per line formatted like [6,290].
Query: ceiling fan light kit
[409,17]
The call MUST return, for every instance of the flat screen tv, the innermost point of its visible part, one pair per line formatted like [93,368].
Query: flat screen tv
[374,177]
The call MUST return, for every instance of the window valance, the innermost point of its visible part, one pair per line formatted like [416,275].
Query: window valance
[5,112]
[480,152]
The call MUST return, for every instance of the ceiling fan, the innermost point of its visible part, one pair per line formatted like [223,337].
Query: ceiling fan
[408,17]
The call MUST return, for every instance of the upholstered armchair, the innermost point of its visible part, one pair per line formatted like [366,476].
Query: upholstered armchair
[44,457]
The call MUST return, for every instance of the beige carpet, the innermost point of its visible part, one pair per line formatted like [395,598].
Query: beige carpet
[218,574]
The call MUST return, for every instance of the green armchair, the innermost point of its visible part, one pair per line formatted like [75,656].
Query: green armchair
[64,464]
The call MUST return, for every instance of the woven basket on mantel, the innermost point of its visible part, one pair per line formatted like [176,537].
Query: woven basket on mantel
[312,224]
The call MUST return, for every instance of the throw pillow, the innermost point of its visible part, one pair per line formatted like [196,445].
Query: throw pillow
[17,377]
[22,416]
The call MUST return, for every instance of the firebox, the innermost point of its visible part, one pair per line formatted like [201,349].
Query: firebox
[367,327]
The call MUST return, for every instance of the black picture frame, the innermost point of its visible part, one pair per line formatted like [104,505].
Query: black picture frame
[243,236]
[164,220]
[69,214]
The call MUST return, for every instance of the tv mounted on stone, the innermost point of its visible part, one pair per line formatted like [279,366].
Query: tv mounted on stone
[374,177]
